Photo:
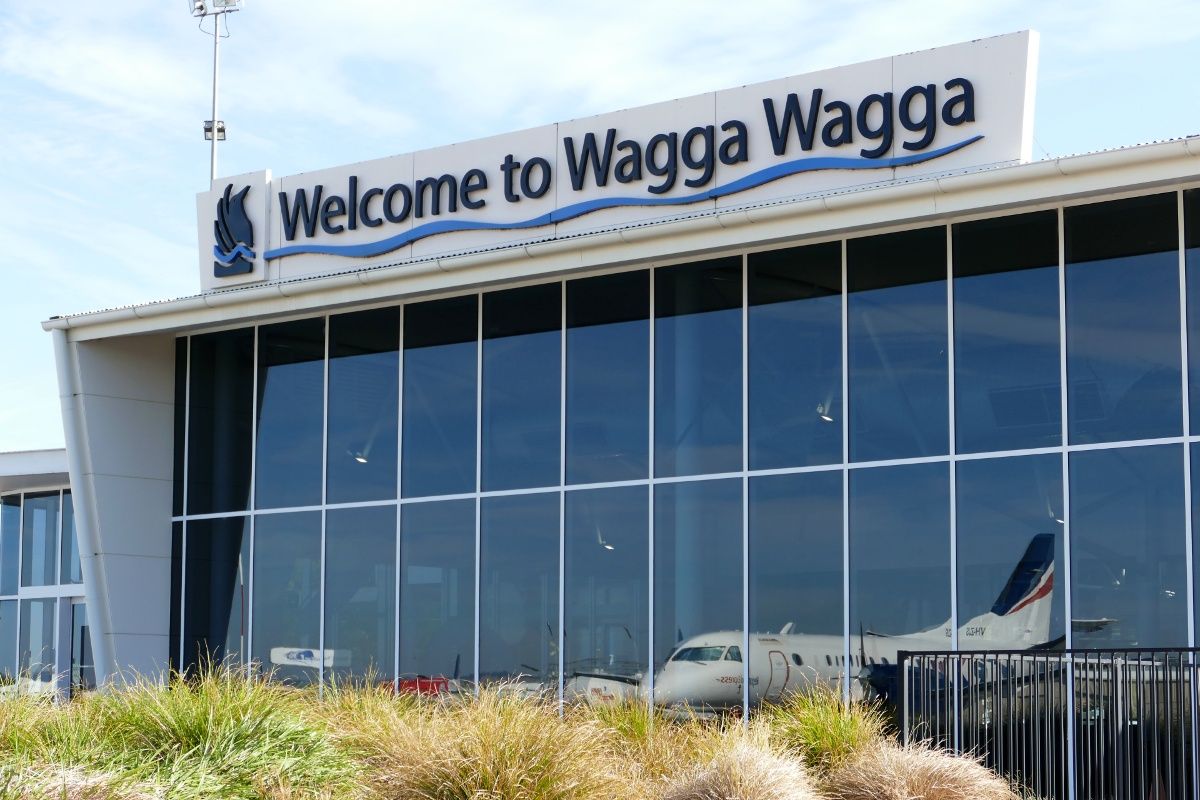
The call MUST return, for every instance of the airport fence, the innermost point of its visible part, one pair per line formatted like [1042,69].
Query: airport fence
[1062,724]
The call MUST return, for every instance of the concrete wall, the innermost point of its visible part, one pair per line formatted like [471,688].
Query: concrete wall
[118,410]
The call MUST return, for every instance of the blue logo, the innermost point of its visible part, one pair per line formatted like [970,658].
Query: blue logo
[234,248]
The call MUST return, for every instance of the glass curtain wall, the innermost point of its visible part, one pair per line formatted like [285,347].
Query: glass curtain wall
[704,481]
[40,577]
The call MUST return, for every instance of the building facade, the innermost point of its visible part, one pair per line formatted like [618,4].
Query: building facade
[45,645]
[779,419]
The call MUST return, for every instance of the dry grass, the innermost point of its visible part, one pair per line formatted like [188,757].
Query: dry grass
[746,770]
[891,772]
[498,745]
[67,783]
[223,735]
[649,748]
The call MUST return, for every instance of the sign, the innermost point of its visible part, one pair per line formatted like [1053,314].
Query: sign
[921,113]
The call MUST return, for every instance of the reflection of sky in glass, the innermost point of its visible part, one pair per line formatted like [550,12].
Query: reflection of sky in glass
[437,589]
[37,639]
[899,549]
[291,407]
[217,583]
[8,640]
[795,391]
[518,588]
[39,540]
[521,388]
[1123,363]
[221,402]
[363,411]
[606,581]
[796,553]
[1006,352]
[1191,218]
[360,591]
[608,378]
[1128,573]
[697,561]
[439,419]
[10,543]
[697,393]
[898,372]
[1002,504]
[287,595]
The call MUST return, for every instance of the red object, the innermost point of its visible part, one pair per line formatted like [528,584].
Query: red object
[424,686]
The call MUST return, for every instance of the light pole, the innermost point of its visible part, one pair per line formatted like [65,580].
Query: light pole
[214,129]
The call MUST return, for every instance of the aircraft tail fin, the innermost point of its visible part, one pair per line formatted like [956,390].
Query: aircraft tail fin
[1022,611]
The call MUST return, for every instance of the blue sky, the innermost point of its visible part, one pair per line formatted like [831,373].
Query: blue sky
[101,150]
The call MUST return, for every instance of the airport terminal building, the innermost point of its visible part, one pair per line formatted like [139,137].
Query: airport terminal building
[778,380]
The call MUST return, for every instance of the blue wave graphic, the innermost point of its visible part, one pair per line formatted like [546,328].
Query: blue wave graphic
[754,179]
[228,258]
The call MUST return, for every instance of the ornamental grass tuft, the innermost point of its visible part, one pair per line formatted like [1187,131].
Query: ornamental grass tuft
[892,772]
[824,730]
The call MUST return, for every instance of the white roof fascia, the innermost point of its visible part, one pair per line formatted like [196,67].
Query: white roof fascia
[1142,167]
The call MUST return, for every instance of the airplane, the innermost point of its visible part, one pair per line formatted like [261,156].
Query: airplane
[705,671]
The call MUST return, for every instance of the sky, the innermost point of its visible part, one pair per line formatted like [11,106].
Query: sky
[102,150]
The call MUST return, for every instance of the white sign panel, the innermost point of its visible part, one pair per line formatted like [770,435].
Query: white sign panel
[929,112]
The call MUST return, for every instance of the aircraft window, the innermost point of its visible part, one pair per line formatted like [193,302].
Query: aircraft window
[797,660]
[884,659]
[734,654]
[871,659]
[699,654]
[828,661]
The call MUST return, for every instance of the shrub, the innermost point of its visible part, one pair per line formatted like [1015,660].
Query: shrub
[499,745]
[891,772]
[647,746]
[823,729]
[747,770]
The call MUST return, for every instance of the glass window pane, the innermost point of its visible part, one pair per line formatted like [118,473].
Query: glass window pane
[39,540]
[360,592]
[437,594]
[608,378]
[180,424]
[1008,393]
[1123,362]
[795,353]
[364,368]
[8,642]
[521,388]
[216,591]
[83,667]
[897,345]
[37,648]
[518,600]
[698,367]
[1191,224]
[697,591]
[219,422]
[607,593]
[71,571]
[899,562]
[796,582]
[287,596]
[1010,524]
[440,368]
[1128,565]
[10,543]
[291,407]
[174,630]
